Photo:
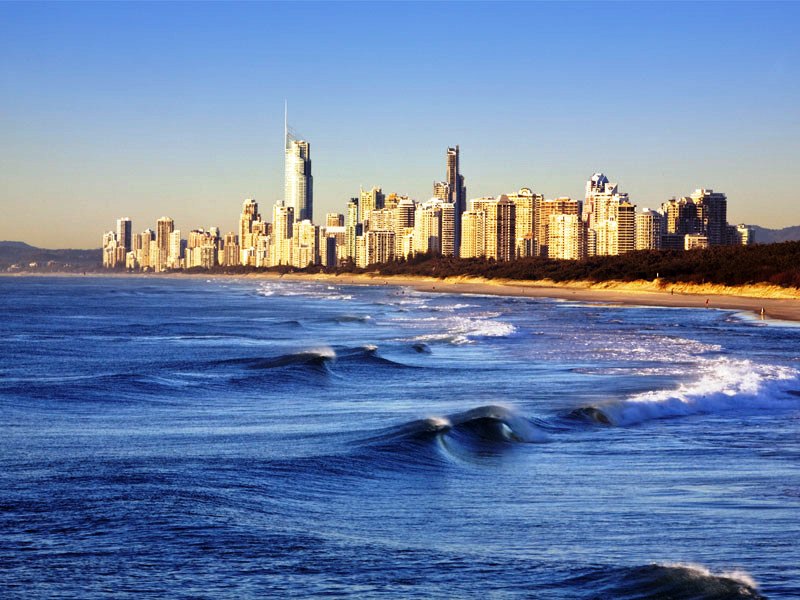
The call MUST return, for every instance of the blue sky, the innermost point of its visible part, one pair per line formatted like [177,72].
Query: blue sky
[151,109]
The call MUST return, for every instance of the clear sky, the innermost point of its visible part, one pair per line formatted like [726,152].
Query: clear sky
[151,109]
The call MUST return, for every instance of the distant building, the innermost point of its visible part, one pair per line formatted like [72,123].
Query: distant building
[565,237]
[473,229]
[283,218]
[544,209]
[370,200]
[124,237]
[695,240]
[334,220]
[745,235]
[298,182]
[649,228]
[164,228]
[457,192]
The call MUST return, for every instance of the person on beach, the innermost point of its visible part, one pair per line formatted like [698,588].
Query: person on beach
[706,302]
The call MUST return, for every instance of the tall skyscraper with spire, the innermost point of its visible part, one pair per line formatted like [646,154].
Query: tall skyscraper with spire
[298,182]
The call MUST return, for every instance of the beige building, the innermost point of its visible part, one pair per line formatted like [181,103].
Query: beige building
[305,244]
[473,229]
[434,223]
[280,252]
[695,240]
[369,200]
[525,205]
[379,246]
[164,228]
[544,209]
[246,219]
[649,227]
[565,237]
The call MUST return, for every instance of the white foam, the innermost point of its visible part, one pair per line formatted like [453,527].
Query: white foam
[462,330]
[724,385]
[701,571]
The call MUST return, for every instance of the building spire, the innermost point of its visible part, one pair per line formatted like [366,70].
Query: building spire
[285,123]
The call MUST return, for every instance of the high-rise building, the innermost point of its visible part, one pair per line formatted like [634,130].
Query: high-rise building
[500,227]
[334,220]
[473,229]
[352,229]
[441,190]
[305,244]
[282,230]
[713,213]
[545,208]
[745,235]
[142,244]
[164,228]
[457,190]
[298,182]
[525,204]
[597,185]
[649,229]
[565,237]
[610,217]
[434,227]
[370,200]
[124,237]
[175,252]
[403,224]
[626,230]
[246,219]
[230,250]
[379,246]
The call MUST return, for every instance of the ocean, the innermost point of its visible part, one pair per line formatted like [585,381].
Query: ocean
[224,438]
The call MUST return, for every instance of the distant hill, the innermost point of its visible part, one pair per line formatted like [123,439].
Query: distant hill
[775,236]
[19,256]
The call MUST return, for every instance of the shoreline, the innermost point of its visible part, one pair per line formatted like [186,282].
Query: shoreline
[777,303]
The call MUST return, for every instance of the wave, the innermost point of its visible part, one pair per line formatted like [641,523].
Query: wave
[351,319]
[463,330]
[725,385]
[314,357]
[677,581]
[461,435]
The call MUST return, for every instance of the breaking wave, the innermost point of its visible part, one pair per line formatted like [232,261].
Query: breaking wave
[676,581]
[461,435]
[724,385]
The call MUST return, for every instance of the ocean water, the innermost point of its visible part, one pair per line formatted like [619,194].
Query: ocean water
[240,438]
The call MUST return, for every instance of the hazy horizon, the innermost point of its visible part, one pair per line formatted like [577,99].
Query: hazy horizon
[112,110]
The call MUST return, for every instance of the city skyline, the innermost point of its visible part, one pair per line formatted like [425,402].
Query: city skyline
[170,127]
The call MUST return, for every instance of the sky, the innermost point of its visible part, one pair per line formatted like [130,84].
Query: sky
[151,109]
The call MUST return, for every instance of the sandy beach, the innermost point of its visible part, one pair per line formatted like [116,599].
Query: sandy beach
[775,302]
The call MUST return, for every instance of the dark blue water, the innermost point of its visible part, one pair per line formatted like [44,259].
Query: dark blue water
[222,438]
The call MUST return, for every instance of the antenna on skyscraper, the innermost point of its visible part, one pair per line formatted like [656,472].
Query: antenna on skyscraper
[285,123]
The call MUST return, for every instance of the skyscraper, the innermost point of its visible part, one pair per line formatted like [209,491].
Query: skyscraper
[370,200]
[246,219]
[283,220]
[298,183]
[713,213]
[649,228]
[565,237]
[458,192]
[500,228]
[124,237]
[164,228]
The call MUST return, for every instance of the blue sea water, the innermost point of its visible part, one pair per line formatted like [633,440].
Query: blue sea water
[240,438]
